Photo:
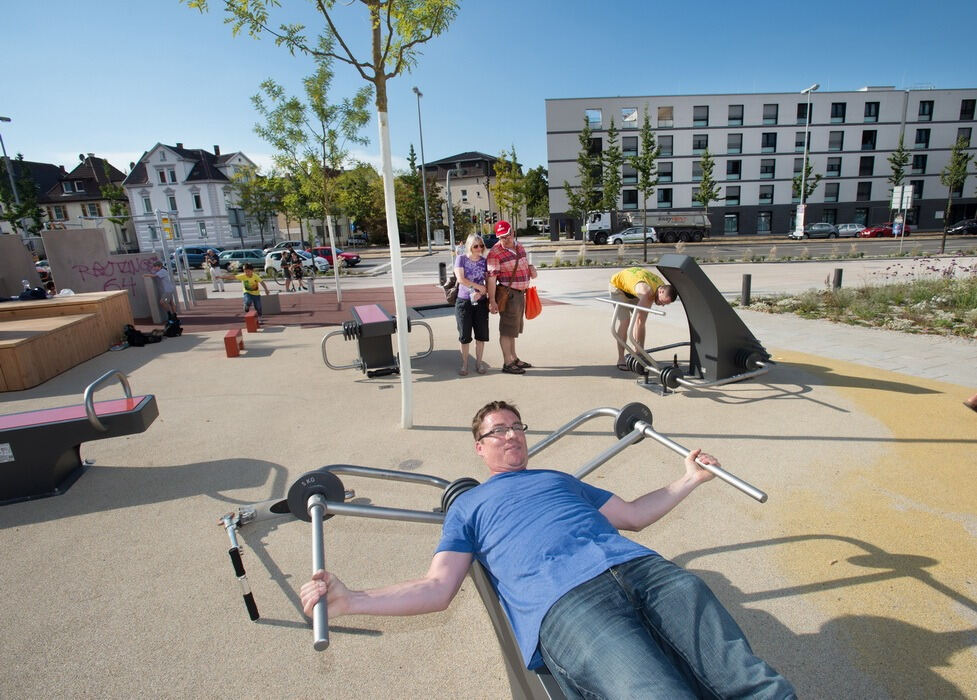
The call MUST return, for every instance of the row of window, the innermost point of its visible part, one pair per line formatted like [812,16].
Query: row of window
[72,186]
[59,212]
[764,219]
[771,114]
[768,142]
[201,230]
[147,203]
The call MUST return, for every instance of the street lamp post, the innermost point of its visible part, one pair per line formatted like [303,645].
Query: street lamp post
[451,212]
[420,131]
[799,219]
[10,168]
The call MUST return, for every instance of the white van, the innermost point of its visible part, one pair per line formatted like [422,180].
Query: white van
[541,225]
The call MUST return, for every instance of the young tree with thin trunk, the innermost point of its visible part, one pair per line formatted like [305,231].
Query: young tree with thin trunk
[811,180]
[611,171]
[28,215]
[646,165]
[708,190]
[586,197]
[509,188]
[537,190]
[953,177]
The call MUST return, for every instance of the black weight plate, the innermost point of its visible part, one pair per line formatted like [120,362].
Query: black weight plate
[630,415]
[309,484]
[455,489]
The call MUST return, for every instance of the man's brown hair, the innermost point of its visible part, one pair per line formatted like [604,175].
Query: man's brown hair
[488,408]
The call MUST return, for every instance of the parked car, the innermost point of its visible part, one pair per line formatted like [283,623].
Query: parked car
[195,254]
[818,230]
[881,231]
[850,230]
[273,262]
[634,234]
[358,238]
[348,259]
[964,227]
[297,245]
[255,256]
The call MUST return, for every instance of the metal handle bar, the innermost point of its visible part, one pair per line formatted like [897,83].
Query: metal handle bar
[90,396]
[719,382]
[430,347]
[230,526]
[377,473]
[576,422]
[637,349]
[357,364]
[320,611]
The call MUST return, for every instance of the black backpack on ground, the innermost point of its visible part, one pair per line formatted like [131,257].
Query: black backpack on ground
[172,327]
[138,339]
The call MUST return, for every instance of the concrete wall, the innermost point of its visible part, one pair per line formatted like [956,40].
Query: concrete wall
[16,264]
[80,261]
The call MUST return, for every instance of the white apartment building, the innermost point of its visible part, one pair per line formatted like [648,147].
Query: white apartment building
[757,142]
[192,187]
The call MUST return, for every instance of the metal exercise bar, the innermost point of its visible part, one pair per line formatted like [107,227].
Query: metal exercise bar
[90,396]
[230,526]
[320,611]
[637,350]
[628,440]
[728,380]
[563,430]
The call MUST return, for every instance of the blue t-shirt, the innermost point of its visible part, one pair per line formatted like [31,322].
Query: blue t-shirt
[539,534]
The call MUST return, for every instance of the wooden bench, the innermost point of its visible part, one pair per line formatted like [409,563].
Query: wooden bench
[33,350]
[251,321]
[233,342]
[40,451]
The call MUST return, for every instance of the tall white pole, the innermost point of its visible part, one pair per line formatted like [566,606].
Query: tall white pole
[397,274]
[420,131]
[451,214]
[799,220]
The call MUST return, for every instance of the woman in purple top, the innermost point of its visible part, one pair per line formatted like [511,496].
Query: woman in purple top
[471,307]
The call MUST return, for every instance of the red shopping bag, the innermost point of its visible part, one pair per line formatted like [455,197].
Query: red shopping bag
[533,305]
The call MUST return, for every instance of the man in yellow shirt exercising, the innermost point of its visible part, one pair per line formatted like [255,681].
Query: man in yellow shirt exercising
[638,286]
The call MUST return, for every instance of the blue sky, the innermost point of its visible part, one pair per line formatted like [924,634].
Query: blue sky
[114,77]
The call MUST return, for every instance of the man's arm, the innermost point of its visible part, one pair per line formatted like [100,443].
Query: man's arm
[432,593]
[265,287]
[640,513]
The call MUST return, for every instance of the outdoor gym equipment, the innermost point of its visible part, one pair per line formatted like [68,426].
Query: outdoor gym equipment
[722,349]
[373,329]
[40,451]
[320,494]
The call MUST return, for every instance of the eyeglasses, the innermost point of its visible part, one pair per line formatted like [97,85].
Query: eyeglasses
[501,431]
[477,246]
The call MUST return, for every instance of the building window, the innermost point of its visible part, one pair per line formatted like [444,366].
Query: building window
[172,173]
[629,117]
[770,114]
[664,197]
[630,199]
[93,209]
[700,142]
[178,234]
[665,142]
[963,133]
[734,143]
[629,176]
[831,191]
[152,234]
[967,110]
[172,201]
[799,141]
[861,216]
[802,112]
[596,146]
[798,165]
[838,112]
[696,170]
[864,193]
[836,140]
[734,169]
[202,226]
[868,139]
[957,191]
[594,118]
[919,163]
[197,203]
[834,167]
[700,115]
[767,168]
[629,146]
[665,117]
[768,142]
[731,223]
[766,194]
[732,196]
[147,205]
[866,166]
[464,195]
[67,187]
[764,220]
[735,115]
[829,216]
[922,138]
[926,111]
[871,111]
[695,195]
[60,213]
[664,172]
[917,186]
[161,175]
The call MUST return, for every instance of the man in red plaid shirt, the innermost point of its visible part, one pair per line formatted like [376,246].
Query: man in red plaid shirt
[510,272]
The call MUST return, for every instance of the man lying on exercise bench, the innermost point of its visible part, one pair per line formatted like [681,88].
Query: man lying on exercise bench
[609,617]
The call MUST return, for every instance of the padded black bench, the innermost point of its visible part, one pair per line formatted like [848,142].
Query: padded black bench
[40,451]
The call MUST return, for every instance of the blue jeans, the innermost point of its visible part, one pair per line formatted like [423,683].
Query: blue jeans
[250,299]
[649,629]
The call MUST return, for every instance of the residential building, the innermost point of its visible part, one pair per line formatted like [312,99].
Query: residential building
[472,179]
[44,176]
[192,188]
[757,142]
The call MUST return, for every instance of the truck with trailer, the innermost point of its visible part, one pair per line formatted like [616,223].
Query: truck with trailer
[670,226]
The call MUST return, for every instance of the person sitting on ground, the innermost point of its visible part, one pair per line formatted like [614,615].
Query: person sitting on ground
[250,281]
[609,617]
[165,288]
[637,286]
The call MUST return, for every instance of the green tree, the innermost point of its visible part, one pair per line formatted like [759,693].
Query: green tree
[537,190]
[646,165]
[257,196]
[586,197]
[27,215]
[611,171]
[811,181]
[708,190]
[898,160]
[116,196]
[410,196]
[953,176]
[509,190]
[360,193]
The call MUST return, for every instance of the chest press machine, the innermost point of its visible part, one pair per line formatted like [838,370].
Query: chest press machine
[320,494]
[722,349]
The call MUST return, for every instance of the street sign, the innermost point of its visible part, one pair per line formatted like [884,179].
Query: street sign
[902,197]
[167,228]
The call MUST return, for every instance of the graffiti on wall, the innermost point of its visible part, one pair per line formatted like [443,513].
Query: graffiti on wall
[115,274]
